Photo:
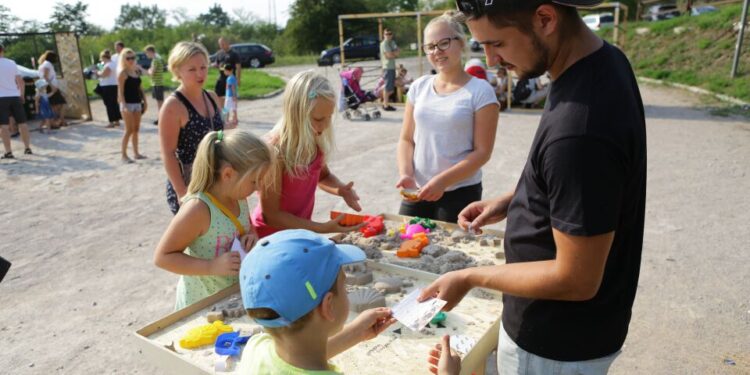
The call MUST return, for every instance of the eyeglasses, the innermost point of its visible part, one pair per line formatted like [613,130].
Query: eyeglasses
[442,44]
[474,8]
[130,58]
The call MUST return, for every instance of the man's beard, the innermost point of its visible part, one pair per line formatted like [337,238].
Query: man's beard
[540,62]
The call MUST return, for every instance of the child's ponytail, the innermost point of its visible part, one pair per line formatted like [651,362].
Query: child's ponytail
[242,150]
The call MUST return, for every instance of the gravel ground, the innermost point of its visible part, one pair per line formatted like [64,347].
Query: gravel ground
[80,229]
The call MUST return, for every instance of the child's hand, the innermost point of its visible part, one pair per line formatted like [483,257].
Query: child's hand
[227,264]
[334,226]
[350,196]
[248,241]
[370,323]
[444,361]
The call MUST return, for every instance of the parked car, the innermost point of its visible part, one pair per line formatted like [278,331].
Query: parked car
[661,12]
[598,21]
[474,45]
[697,11]
[358,47]
[252,55]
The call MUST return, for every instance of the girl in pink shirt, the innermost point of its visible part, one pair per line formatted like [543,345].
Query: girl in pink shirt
[303,139]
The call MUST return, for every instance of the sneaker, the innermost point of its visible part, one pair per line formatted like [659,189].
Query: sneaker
[28,151]
[389,108]
[8,155]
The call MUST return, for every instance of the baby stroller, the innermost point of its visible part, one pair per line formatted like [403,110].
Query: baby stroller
[356,103]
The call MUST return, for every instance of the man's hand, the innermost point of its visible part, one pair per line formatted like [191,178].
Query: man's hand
[481,213]
[451,287]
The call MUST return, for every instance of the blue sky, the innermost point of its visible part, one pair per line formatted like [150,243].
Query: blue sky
[104,12]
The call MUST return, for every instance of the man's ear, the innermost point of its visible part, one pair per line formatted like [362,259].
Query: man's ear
[326,308]
[546,19]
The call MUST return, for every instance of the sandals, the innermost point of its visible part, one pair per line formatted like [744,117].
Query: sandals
[8,155]
[28,151]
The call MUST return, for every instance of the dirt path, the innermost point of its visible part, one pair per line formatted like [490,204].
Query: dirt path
[80,229]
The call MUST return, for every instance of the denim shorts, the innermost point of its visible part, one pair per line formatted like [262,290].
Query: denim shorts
[131,107]
[512,360]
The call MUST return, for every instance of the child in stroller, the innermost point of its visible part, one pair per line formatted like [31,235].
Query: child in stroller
[354,101]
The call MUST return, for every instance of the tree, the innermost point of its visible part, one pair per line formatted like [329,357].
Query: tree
[313,24]
[8,21]
[70,17]
[216,16]
[180,15]
[140,17]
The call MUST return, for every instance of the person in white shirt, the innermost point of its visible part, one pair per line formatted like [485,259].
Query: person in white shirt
[56,98]
[108,84]
[448,131]
[11,104]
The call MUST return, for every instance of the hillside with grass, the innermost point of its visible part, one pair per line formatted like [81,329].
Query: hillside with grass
[696,51]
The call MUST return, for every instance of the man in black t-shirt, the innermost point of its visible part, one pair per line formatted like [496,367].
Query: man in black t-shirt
[574,230]
[226,55]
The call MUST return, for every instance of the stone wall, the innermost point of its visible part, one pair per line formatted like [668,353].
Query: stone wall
[72,82]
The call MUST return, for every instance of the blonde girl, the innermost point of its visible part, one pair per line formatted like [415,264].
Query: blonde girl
[303,139]
[228,168]
[448,131]
[131,100]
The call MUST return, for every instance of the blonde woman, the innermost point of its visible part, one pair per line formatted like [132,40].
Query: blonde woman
[303,138]
[197,244]
[186,117]
[56,98]
[132,102]
[448,131]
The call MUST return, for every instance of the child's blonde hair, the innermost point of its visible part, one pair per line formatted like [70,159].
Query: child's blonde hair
[182,52]
[243,151]
[297,143]
[121,58]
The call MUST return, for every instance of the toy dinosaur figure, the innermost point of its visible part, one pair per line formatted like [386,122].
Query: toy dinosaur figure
[413,247]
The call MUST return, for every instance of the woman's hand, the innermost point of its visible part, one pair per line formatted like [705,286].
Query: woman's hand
[443,361]
[407,182]
[432,191]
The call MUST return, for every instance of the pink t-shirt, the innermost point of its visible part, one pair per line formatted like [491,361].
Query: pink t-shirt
[297,196]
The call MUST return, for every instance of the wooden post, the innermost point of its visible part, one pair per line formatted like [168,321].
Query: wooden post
[617,24]
[738,47]
[341,41]
[419,42]
[380,30]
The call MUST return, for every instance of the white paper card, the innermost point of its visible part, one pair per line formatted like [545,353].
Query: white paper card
[415,315]
[462,343]
[237,247]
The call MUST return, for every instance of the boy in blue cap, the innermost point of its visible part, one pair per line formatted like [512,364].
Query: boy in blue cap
[293,285]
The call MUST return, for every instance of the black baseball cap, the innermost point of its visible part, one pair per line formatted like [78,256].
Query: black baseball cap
[477,8]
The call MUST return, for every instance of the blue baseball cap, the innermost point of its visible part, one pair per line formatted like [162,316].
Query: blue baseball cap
[290,272]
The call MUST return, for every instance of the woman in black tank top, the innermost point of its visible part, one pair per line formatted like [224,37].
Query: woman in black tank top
[185,118]
[132,103]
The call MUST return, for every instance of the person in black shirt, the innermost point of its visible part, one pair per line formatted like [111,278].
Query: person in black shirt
[224,56]
[574,230]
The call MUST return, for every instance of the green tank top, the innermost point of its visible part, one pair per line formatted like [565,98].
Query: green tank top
[215,242]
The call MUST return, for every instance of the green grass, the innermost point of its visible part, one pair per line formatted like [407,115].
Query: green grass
[255,83]
[701,55]
[287,60]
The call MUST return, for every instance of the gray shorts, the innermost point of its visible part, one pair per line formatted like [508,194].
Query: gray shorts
[11,106]
[389,75]
[512,360]
[158,93]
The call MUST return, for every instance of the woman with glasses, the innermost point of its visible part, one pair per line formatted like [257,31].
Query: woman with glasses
[448,131]
[132,102]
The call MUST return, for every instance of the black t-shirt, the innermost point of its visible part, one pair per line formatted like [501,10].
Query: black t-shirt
[223,58]
[585,176]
